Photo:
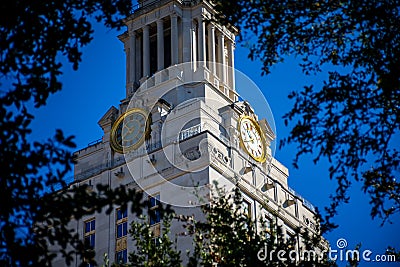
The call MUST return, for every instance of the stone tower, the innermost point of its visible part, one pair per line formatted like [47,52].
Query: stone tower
[181,127]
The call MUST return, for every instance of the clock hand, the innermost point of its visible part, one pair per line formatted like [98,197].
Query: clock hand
[128,133]
[248,133]
[251,135]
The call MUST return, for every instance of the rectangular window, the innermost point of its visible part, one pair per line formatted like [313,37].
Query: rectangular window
[291,237]
[121,243]
[246,207]
[154,210]
[121,214]
[268,225]
[122,229]
[122,223]
[90,232]
[121,256]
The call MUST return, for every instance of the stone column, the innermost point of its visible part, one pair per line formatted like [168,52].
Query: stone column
[194,43]
[127,65]
[174,39]
[160,44]
[146,51]
[211,49]
[132,57]
[221,56]
[231,63]
[201,35]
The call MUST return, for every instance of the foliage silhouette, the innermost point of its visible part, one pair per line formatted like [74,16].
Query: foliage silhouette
[353,118]
[35,37]
[226,236]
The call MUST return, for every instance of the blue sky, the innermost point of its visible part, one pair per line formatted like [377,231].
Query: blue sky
[99,83]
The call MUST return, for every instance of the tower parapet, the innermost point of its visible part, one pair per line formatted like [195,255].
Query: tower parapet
[165,33]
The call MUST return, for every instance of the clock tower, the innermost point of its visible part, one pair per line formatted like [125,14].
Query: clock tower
[181,127]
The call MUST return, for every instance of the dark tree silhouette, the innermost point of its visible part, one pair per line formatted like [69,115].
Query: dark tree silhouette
[226,236]
[353,119]
[35,36]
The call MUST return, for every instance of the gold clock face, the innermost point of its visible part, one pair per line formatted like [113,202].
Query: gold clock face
[251,138]
[129,130]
